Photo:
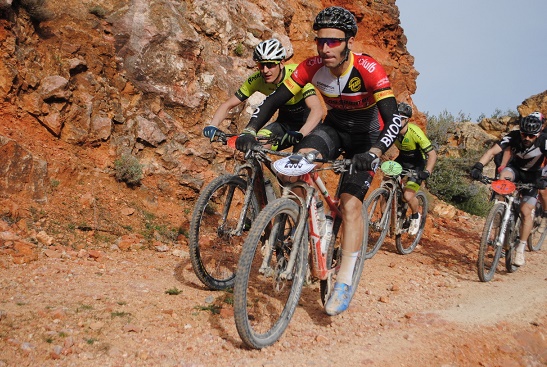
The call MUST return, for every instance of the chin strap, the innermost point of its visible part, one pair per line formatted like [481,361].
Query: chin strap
[346,51]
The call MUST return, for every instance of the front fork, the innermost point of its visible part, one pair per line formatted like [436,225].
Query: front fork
[505,220]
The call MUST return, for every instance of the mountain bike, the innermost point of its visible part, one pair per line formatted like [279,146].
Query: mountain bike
[387,212]
[502,227]
[273,265]
[223,214]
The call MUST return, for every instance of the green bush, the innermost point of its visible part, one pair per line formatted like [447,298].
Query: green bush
[439,126]
[128,169]
[450,183]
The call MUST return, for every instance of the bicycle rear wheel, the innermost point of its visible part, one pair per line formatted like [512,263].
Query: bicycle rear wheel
[536,238]
[266,293]
[489,250]
[213,242]
[404,241]
[334,256]
[378,209]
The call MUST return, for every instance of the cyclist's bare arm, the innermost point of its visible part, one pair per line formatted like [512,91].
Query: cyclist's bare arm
[489,154]
[505,158]
[223,110]
[431,160]
[316,114]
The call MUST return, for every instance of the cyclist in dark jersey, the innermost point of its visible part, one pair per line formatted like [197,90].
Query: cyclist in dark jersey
[362,120]
[529,149]
[296,118]
[415,152]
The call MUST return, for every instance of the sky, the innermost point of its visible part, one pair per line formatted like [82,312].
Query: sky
[476,56]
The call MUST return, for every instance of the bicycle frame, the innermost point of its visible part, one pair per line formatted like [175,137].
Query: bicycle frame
[394,184]
[251,170]
[312,183]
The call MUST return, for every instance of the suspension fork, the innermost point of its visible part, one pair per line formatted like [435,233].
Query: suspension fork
[248,171]
[506,215]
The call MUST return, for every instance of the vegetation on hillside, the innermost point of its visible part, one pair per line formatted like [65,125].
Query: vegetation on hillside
[451,182]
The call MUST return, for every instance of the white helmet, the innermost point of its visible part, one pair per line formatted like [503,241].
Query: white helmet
[269,50]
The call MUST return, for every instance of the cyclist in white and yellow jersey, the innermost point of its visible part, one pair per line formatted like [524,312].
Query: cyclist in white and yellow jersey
[296,118]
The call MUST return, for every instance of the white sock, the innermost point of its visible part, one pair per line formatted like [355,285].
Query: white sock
[520,247]
[345,274]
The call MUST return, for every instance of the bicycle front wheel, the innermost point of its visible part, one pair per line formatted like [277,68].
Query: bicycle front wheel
[267,287]
[404,241]
[214,242]
[378,209]
[490,249]
[536,238]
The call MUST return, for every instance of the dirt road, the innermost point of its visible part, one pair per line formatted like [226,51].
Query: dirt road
[146,308]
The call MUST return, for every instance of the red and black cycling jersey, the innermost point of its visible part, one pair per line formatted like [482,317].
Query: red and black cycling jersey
[526,159]
[352,99]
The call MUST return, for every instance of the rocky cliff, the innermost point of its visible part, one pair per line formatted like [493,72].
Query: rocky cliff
[85,82]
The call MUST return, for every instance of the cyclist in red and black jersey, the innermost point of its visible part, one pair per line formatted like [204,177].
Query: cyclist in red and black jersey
[362,120]
[529,150]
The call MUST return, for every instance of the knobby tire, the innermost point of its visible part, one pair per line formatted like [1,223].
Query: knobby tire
[214,248]
[404,241]
[489,252]
[264,302]
[378,209]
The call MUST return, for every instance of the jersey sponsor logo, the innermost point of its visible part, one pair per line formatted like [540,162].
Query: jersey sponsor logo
[382,82]
[367,65]
[354,84]
[254,77]
[290,83]
[314,60]
[392,131]
[383,94]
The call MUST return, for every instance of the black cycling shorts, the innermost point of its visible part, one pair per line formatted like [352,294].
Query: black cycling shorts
[331,142]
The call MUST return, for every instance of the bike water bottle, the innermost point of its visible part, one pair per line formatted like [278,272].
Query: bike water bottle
[320,213]
[325,240]
[270,193]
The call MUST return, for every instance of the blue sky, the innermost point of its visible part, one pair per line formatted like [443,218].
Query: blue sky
[476,56]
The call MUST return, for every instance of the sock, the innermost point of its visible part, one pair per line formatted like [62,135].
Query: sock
[345,274]
[521,246]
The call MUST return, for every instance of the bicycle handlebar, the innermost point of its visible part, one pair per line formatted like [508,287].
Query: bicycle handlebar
[519,185]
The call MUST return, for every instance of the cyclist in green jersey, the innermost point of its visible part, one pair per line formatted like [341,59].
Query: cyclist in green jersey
[415,152]
[296,118]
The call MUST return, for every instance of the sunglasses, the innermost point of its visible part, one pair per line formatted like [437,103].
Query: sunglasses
[267,64]
[331,42]
[529,136]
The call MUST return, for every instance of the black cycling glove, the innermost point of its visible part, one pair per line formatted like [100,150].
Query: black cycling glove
[246,140]
[541,183]
[365,162]
[423,175]
[291,137]
[476,171]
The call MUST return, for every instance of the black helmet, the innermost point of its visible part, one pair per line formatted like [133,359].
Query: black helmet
[269,50]
[336,17]
[530,124]
[405,109]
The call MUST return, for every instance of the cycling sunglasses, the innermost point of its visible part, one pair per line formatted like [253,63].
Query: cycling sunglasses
[331,42]
[268,64]
[529,136]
